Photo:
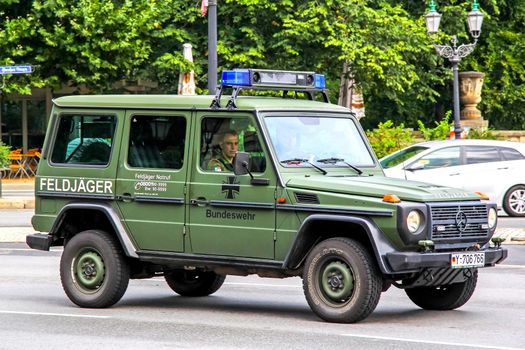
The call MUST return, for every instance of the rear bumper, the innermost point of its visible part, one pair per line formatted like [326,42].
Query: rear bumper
[39,241]
[401,262]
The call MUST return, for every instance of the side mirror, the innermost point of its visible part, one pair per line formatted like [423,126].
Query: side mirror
[241,163]
[415,166]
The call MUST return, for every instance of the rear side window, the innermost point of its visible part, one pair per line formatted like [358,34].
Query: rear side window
[510,154]
[84,139]
[481,154]
[157,142]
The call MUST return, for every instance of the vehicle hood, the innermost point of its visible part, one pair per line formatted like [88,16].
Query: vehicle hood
[377,186]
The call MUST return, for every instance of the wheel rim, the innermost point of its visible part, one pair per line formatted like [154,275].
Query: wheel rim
[89,271]
[337,282]
[517,201]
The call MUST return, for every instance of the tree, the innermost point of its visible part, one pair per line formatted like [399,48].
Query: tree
[96,42]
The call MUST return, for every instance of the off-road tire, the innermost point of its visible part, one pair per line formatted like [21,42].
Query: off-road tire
[447,297]
[512,202]
[194,283]
[93,270]
[341,281]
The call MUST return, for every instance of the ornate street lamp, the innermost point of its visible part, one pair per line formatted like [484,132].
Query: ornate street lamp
[455,53]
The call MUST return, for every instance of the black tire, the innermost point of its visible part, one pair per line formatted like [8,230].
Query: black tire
[194,283]
[514,201]
[93,270]
[341,281]
[447,297]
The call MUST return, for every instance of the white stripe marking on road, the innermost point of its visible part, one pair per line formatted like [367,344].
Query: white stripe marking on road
[407,340]
[50,314]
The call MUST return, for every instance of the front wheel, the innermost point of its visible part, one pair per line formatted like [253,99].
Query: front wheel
[341,281]
[194,283]
[514,201]
[447,297]
[93,270]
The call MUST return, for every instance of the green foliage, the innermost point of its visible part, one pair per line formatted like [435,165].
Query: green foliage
[388,138]
[4,153]
[485,134]
[96,43]
[440,132]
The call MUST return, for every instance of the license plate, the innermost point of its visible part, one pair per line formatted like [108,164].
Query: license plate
[463,260]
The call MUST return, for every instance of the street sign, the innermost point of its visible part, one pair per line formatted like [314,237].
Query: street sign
[15,69]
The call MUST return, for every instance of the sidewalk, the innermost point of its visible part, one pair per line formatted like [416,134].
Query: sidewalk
[19,194]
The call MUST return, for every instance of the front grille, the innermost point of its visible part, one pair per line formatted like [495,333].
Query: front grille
[448,221]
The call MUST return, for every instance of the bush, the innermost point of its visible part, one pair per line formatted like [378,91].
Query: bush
[440,132]
[388,138]
[4,153]
[484,134]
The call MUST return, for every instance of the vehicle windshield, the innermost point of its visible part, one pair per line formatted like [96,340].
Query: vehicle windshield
[400,156]
[328,141]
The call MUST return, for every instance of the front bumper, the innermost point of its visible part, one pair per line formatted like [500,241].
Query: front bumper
[401,262]
[39,241]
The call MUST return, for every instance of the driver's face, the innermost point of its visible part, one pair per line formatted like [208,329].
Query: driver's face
[230,146]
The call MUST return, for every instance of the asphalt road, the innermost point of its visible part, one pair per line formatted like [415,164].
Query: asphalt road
[246,313]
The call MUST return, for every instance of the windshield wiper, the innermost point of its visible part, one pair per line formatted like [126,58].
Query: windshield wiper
[334,160]
[302,160]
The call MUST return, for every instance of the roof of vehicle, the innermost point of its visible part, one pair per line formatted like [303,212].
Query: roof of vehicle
[185,102]
[444,143]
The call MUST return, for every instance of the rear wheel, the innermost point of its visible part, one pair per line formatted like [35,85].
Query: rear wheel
[341,281]
[514,201]
[194,283]
[447,297]
[93,270]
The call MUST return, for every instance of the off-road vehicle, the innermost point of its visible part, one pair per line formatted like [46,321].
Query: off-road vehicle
[124,184]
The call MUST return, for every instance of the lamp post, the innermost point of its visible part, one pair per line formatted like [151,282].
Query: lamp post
[212,47]
[453,52]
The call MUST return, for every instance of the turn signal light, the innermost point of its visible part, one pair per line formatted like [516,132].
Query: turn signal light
[281,200]
[391,198]
[482,195]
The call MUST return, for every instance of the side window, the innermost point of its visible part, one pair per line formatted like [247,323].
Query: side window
[157,142]
[84,139]
[444,157]
[510,154]
[481,154]
[222,138]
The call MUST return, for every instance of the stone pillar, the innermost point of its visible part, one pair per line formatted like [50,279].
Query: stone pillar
[470,95]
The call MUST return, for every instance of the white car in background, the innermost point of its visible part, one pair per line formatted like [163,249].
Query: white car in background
[495,168]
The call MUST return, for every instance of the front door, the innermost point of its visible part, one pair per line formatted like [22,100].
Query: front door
[227,214]
[151,178]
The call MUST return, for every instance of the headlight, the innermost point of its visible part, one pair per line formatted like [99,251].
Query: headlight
[493,218]
[413,221]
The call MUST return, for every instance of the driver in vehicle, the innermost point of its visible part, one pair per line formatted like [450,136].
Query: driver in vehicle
[229,147]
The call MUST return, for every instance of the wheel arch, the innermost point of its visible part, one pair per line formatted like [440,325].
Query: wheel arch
[81,216]
[359,228]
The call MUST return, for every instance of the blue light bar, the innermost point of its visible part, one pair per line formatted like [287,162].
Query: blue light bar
[238,77]
[320,82]
[266,78]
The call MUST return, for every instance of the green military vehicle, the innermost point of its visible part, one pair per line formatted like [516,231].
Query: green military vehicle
[194,188]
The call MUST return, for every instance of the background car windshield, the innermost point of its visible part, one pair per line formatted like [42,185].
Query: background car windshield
[314,138]
[399,157]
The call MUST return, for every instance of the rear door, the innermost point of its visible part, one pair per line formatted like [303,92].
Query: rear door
[151,178]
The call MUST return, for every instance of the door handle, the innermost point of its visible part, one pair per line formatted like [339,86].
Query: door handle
[504,168]
[125,197]
[454,174]
[200,202]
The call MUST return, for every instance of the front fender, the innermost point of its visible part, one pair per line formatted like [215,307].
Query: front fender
[306,238]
